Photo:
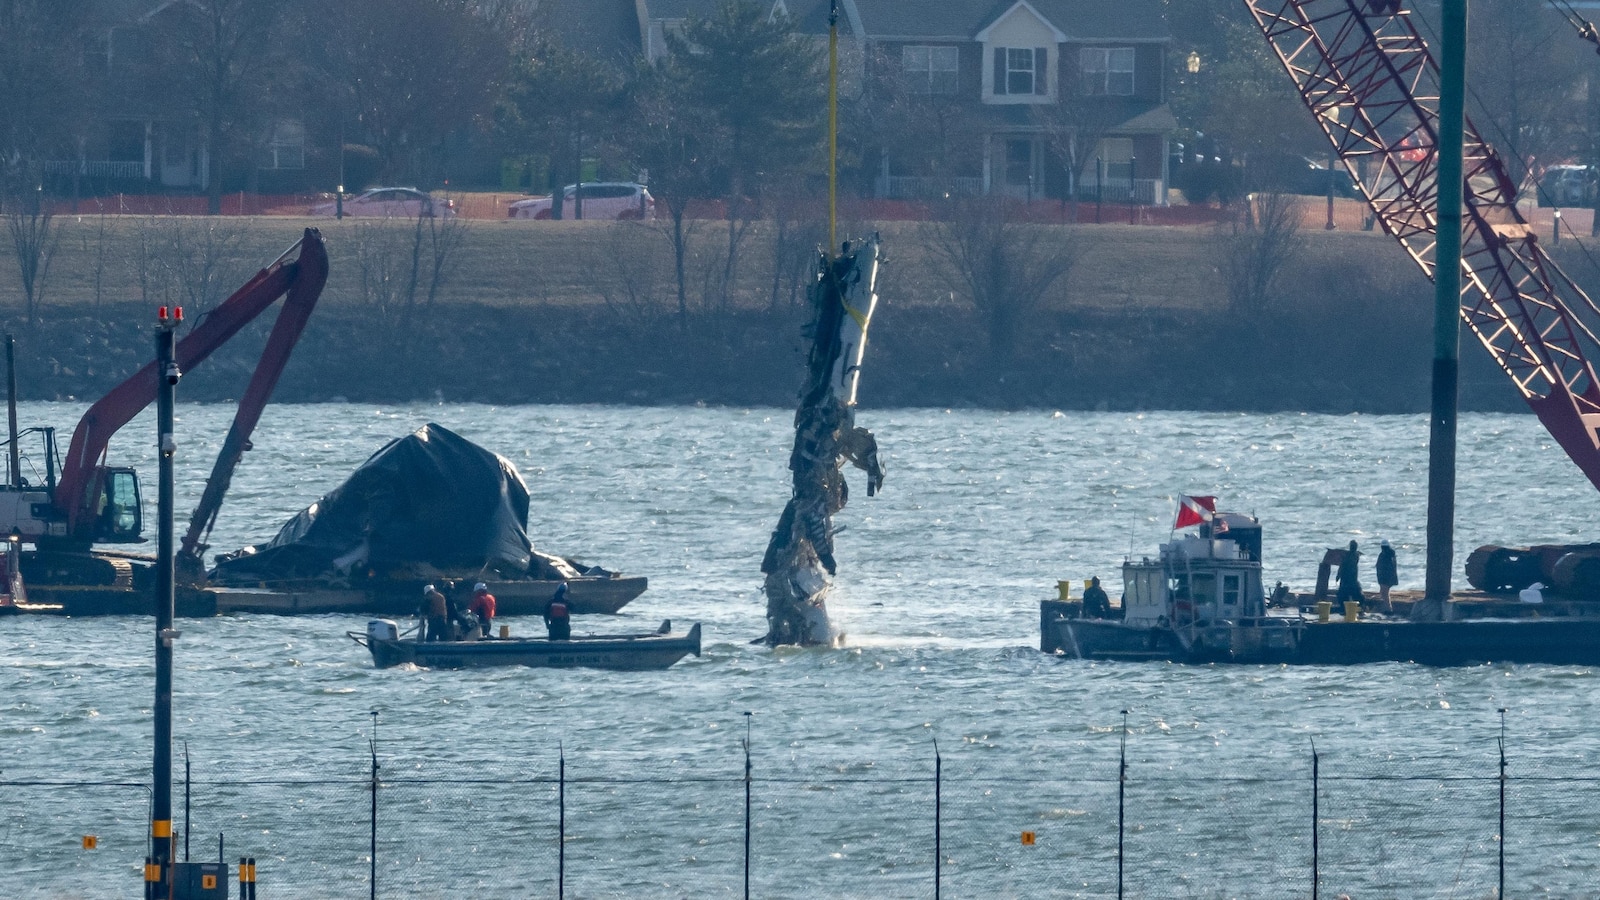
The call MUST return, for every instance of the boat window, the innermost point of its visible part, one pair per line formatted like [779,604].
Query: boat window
[1205,588]
[1230,590]
[1179,587]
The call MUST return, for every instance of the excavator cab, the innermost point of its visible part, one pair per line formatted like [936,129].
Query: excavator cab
[120,517]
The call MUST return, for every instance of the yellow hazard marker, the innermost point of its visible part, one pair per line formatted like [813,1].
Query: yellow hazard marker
[1029,839]
[208,882]
[90,842]
[161,828]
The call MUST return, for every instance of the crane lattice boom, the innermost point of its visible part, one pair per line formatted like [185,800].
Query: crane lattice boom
[1368,77]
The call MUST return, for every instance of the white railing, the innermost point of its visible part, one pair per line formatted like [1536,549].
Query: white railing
[95,168]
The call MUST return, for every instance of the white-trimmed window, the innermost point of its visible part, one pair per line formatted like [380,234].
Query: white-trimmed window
[931,70]
[1021,70]
[1106,71]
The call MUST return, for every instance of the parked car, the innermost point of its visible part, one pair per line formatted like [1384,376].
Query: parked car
[406,203]
[1566,185]
[601,200]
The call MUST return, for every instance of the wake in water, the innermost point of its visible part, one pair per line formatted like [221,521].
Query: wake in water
[799,562]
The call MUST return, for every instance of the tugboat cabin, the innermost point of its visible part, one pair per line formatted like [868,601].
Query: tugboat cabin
[1199,579]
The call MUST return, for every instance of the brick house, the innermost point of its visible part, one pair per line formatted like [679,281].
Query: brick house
[1052,96]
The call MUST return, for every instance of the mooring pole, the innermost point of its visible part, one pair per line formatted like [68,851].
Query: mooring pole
[561,825]
[747,716]
[1446,305]
[186,780]
[167,376]
[1122,781]
[938,820]
[372,837]
[1316,861]
[11,413]
[833,127]
[1502,841]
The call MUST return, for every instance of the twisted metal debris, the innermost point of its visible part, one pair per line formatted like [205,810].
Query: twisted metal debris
[799,562]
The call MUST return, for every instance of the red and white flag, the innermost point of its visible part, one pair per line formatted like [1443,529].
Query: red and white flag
[1194,510]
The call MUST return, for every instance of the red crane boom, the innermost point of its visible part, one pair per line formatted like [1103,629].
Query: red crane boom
[78,495]
[1369,79]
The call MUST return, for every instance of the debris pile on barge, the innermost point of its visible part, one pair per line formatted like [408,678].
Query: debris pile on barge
[431,507]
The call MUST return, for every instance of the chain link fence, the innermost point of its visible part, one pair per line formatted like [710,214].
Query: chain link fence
[936,827]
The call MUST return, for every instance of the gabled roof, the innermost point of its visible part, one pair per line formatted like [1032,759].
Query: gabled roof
[963,20]
[1023,6]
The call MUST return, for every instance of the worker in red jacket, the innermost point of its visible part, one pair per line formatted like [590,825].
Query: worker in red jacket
[557,617]
[482,606]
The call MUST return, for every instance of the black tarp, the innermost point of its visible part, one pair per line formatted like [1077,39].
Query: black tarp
[432,498]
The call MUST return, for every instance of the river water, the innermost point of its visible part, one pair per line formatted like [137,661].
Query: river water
[939,581]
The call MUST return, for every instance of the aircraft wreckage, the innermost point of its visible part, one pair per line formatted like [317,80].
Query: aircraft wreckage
[799,562]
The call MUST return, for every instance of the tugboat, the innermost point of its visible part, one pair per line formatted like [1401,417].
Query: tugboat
[1201,600]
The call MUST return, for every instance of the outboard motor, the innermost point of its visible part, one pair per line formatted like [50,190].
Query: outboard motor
[383,630]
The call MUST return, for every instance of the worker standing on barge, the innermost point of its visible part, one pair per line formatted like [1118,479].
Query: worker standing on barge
[1350,575]
[436,613]
[1096,605]
[1388,575]
[557,617]
[482,606]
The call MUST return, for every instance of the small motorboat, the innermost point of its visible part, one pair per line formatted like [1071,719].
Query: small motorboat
[634,652]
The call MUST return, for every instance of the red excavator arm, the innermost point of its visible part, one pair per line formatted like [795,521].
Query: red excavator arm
[78,494]
[1369,79]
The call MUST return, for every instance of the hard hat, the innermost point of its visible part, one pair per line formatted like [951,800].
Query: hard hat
[480,586]
[427,589]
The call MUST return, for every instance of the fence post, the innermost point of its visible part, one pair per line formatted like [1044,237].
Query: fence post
[186,829]
[1122,781]
[938,819]
[372,849]
[747,805]
[1502,841]
[561,847]
[1316,861]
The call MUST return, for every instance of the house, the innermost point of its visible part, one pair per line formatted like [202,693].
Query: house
[1048,97]
[1031,98]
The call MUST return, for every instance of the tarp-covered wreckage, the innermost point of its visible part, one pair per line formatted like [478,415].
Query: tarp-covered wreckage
[429,499]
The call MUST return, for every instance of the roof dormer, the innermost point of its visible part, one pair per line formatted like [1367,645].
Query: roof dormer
[1020,48]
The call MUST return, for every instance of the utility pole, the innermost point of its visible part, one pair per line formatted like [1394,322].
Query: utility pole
[1446,306]
[167,376]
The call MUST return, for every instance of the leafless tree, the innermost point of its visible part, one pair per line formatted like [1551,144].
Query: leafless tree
[626,270]
[403,265]
[1262,239]
[35,235]
[1004,267]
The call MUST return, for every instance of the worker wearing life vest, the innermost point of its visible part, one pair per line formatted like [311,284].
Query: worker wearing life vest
[482,606]
[557,618]
[436,612]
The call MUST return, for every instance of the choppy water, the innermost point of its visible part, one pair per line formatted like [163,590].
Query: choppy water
[940,578]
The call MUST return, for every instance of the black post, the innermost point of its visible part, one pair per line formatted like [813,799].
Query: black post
[561,851]
[1133,184]
[1099,186]
[186,778]
[1122,781]
[1502,894]
[1316,861]
[372,849]
[11,412]
[167,376]
[938,820]
[747,805]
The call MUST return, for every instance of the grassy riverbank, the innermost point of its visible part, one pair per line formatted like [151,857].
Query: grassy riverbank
[589,312]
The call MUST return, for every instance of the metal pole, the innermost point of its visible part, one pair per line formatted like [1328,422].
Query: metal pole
[1316,859]
[747,716]
[1502,841]
[833,130]
[1446,304]
[186,779]
[167,376]
[1122,781]
[1133,184]
[1099,186]
[1332,161]
[938,820]
[561,848]
[372,837]
[11,412]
